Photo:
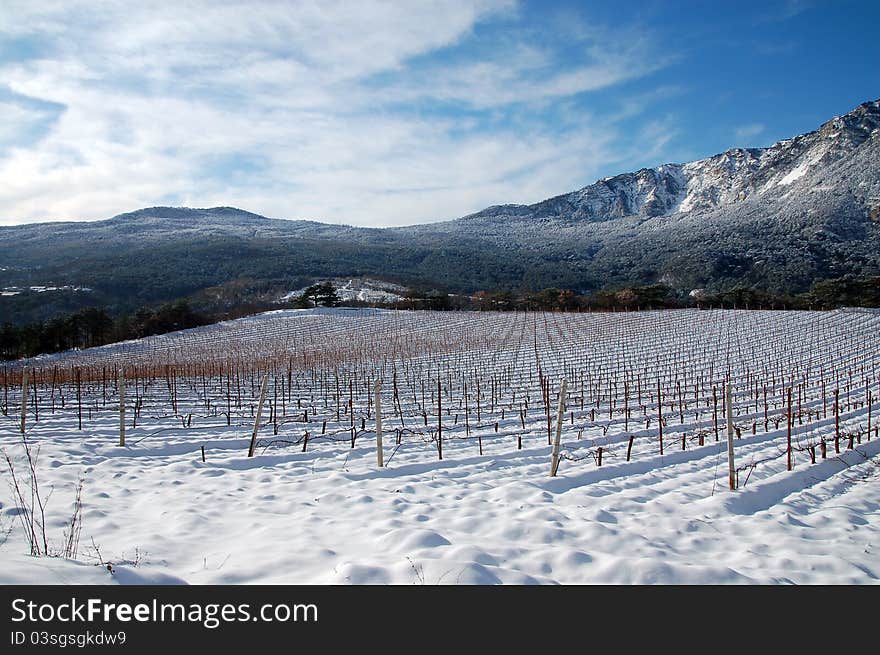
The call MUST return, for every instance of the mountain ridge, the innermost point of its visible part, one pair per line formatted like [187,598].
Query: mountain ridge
[860,124]
[779,218]
[670,174]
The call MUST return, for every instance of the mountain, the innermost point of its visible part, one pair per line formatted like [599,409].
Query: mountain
[780,218]
[777,219]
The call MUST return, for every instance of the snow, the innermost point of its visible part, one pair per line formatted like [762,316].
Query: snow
[329,516]
[720,180]
[369,291]
[359,289]
[14,291]
[811,158]
[291,295]
[795,174]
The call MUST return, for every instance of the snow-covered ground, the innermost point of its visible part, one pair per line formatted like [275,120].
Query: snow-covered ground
[14,291]
[326,513]
[359,289]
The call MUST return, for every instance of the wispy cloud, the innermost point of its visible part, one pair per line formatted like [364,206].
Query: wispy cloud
[774,12]
[371,113]
[744,133]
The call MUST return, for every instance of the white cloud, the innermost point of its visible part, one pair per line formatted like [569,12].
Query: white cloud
[748,132]
[336,101]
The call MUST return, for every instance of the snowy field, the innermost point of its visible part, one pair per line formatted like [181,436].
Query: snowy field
[480,390]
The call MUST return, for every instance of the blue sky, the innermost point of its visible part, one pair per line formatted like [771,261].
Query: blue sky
[393,113]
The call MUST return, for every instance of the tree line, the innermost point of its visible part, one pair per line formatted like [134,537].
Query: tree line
[93,326]
[847,291]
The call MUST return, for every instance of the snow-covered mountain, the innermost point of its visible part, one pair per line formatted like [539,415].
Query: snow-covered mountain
[804,209]
[806,163]
[777,218]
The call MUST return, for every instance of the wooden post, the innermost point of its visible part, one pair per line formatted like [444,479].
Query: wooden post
[203,453]
[731,469]
[467,411]
[259,412]
[440,421]
[824,400]
[766,420]
[275,406]
[660,415]
[36,401]
[837,421]
[79,407]
[547,407]
[351,409]
[377,401]
[174,390]
[629,447]
[24,396]
[788,448]
[121,406]
[554,461]
[715,412]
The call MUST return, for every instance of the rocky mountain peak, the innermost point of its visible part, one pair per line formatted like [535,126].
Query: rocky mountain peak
[723,179]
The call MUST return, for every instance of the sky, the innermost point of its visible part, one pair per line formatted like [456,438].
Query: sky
[395,113]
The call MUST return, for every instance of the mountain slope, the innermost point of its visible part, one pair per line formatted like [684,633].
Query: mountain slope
[723,180]
[778,218]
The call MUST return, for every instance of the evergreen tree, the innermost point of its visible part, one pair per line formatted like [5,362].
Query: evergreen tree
[320,295]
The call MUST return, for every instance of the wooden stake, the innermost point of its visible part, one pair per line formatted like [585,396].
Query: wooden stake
[547,407]
[121,407]
[36,401]
[79,410]
[440,421]
[351,409]
[788,449]
[24,398]
[467,411]
[715,411]
[837,421]
[554,461]
[660,415]
[259,413]
[731,469]
[378,403]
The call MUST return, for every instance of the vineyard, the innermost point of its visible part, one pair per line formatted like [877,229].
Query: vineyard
[371,446]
